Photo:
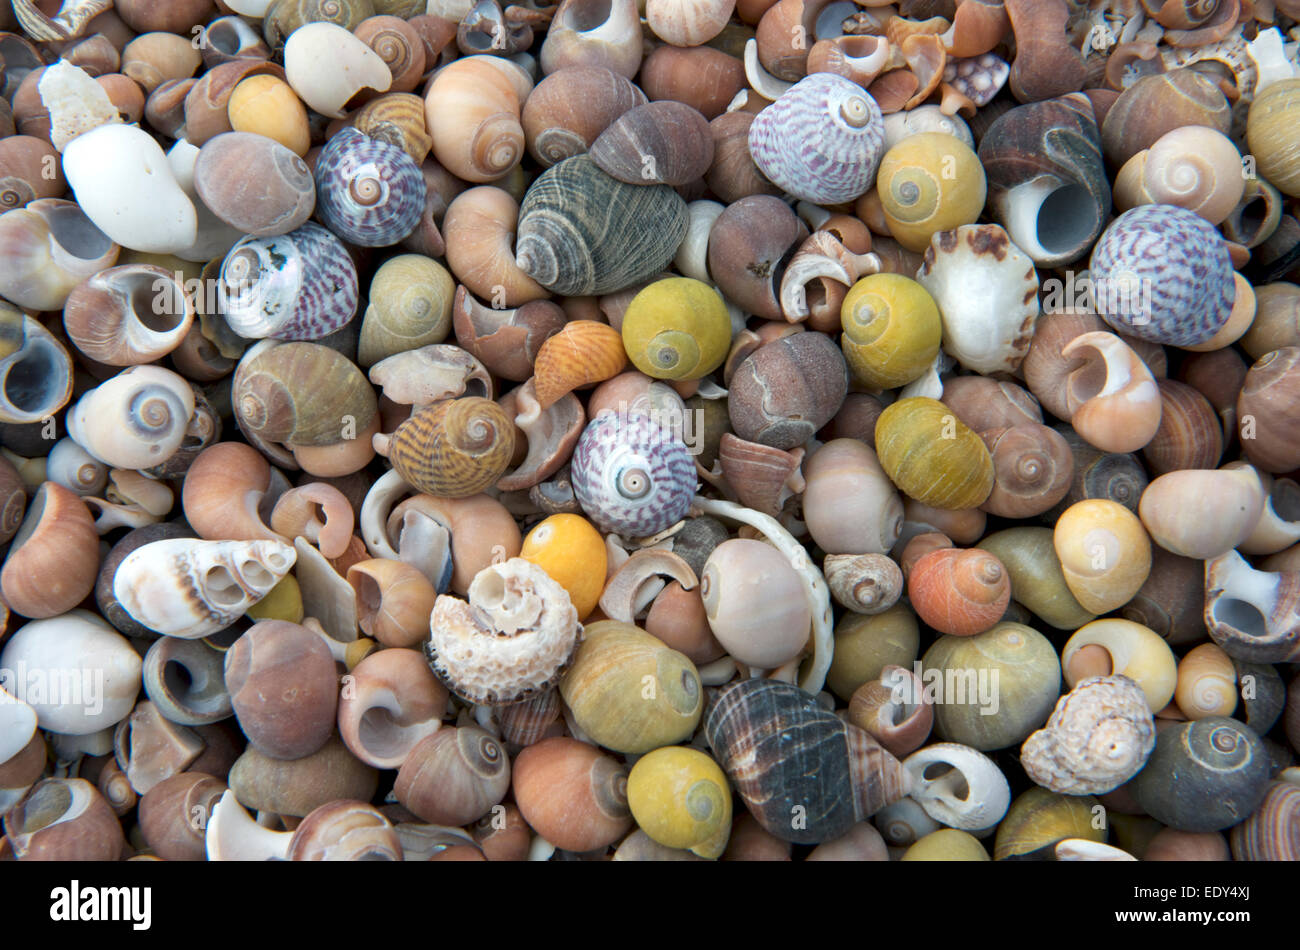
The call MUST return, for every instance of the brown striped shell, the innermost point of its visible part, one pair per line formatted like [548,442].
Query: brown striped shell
[453,449]
[666,143]
[1272,832]
[303,393]
[584,352]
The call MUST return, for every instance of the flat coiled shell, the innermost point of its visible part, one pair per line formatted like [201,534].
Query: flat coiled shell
[297,286]
[455,448]
[583,233]
[821,141]
[631,476]
[368,192]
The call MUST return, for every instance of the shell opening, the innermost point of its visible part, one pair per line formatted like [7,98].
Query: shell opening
[32,379]
[176,678]
[585,17]
[224,38]
[1241,616]
[1286,500]
[46,805]
[379,733]
[1067,218]
[220,589]
[954,781]
[76,234]
[145,300]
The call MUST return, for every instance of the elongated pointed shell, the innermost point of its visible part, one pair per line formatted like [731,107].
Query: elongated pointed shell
[190,588]
[369,193]
[298,286]
[805,775]
[821,141]
[582,232]
[455,448]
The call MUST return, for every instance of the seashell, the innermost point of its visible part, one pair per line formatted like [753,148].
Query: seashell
[1169,844]
[98,673]
[37,375]
[1046,180]
[565,234]
[1193,167]
[1228,504]
[551,433]
[594,33]
[24,161]
[1204,775]
[410,308]
[485,29]
[675,328]
[1104,552]
[866,644]
[1157,104]
[959,592]
[855,776]
[632,476]
[959,786]
[1037,578]
[821,141]
[207,105]
[1033,469]
[174,815]
[195,697]
[1111,646]
[991,331]
[978,78]
[453,449]
[704,78]
[664,143]
[1266,408]
[331,68]
[480,225]
[680,798]
[399,45]
[902,125]
[746,245]
[513,639]
[572,553]
[394,601]
[946,844]
[1038,819]
[859,59]
[734,176]
[369,193]
[123,316]
[1277,319]
[164,110]
[479,528]
[849,504]
[226,488]
[282,688]
[1269,834]
[1253,615]
[951,473]
[134,420]
[892,330]
[397,119]
[49,246]
[1189,436]
[572,794]
[430,374]
[864,583]
[188,588]
[64,819]
[754,603]
[787,390]
[472,110]
[154,58]
[109,169]
[282,196]
[345,831]
[763,478]
[688,24]
[318,512]
[301,393]
[454,776]
[231,38]
[1099,736]
[1277,529]
[569,109]
[263,105]
[1207,683]
[894,710]
[1112,399]
[818,277]
[71,20]
[929,182]
[1271,113]
[583,352]
[298,786]
[1172,601]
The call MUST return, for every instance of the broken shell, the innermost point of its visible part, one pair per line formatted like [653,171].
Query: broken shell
[894,709]
[958,786]
[330,68]
[582,353]
[49,247]
[185,680]
[64,819]
[1253,615]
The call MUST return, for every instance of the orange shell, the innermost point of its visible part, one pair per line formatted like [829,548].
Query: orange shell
[960,592]
[584,352]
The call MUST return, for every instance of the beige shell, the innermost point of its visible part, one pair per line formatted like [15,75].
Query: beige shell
[1194,167]
[1202,513]
[1105,553]
[1112,398]
[849,503]
[329,67]
[864,583]
[135,420]
[1207,683]
[1098,738]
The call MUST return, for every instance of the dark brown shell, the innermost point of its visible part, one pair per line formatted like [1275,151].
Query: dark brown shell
[1189,436]
[1272,832]
[782,394]
[747,245]
[1033,469]
[665,143]
[733,174]
[174,813]
[569,109]
[1158,104]
[1172,600]
[804,774]
[455,448]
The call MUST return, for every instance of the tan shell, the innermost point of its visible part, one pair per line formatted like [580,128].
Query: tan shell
[864,583]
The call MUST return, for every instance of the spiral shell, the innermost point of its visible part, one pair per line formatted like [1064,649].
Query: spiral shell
[297,286]
[301,393]
[1104,551]
[821,141]
[453,449]
[892,330]
[134,420]
[677,328]
[957,592]
[929,182]
[632,476]
[472,110]
[254,184]
[583,352]
[369,193]
[582,232]
[1193,167]
[127,315]
[1268,132]
[410,307]
[666,143]
[1272,832]
[932,456]
[680,798]
[787,390]
[570,108]
[1033,469]
[397,119]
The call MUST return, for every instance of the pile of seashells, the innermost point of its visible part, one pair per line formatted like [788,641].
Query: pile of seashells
[675,429]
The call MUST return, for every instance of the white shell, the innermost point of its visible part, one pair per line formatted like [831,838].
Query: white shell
[191,588]
[326,66]
[214,237]
[899,125]
[17,719]
[135,420]
[126,187]
[693,253]
[75,469]
[972,796]
[77,673]
[75,102]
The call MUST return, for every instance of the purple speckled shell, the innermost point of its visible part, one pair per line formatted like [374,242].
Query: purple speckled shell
[1184,288]
[821,141]
[296,286]
[368,192]
[631,476]
[978,78]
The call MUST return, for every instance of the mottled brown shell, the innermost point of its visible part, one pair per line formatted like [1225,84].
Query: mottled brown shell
[454,449]
[664,143]
[303,393]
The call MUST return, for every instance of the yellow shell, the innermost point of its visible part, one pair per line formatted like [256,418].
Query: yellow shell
[1039,818]
[1109,646]
[947,844]
[866,643]
[929,182]
[454,449]
[268,106]
[1105,553]
[629,691]
[584,352]
[677,328]
[680,798]
[933,456]
[572,552]
[284,602]
[410,306]
[1270,133]
[892,330]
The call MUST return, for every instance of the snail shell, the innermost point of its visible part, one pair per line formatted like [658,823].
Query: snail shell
[1039,818]
[1193,167]
[454,776]
[787,390]
[1266,410]
[755,603]
[570,108]
[254,184]
[849,503]
[472,110]
[301,393]
[582,353]
[952,472]
[959,592]
[803,774]
[1272,832]
[677,328]
[198,696]
[50,246]
[1227,506]
[1190,433]
[1207,683]
[1253,615]
[928,183]
[1109,646]
[1272,114]
[864,583]
[821,140]
[701,76]
[134,420]
[665,143]
[369,193]
[297,286]
[329,67]
[583,233]
[64,819]
[572,794]
[397,119]
[453,449]
[1104,551]
[892,330]
[631,476]
[1112,399]
[1033,469]
[263,105]
[345,831]
[23,161]
[959,786]
[1160,103]
[680,798]
[410,307]
[123,316]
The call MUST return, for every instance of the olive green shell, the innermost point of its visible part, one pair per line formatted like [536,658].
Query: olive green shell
[933,456]
[455,448]
[1205,775]
[1270,132]
[1037,581]
[629,691]
[866,643]
[1039,819]
[677,328]
[303,394]
[892,330]
[285,16]
[1011,678]
[583,233]
[947,844]
[410,306]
